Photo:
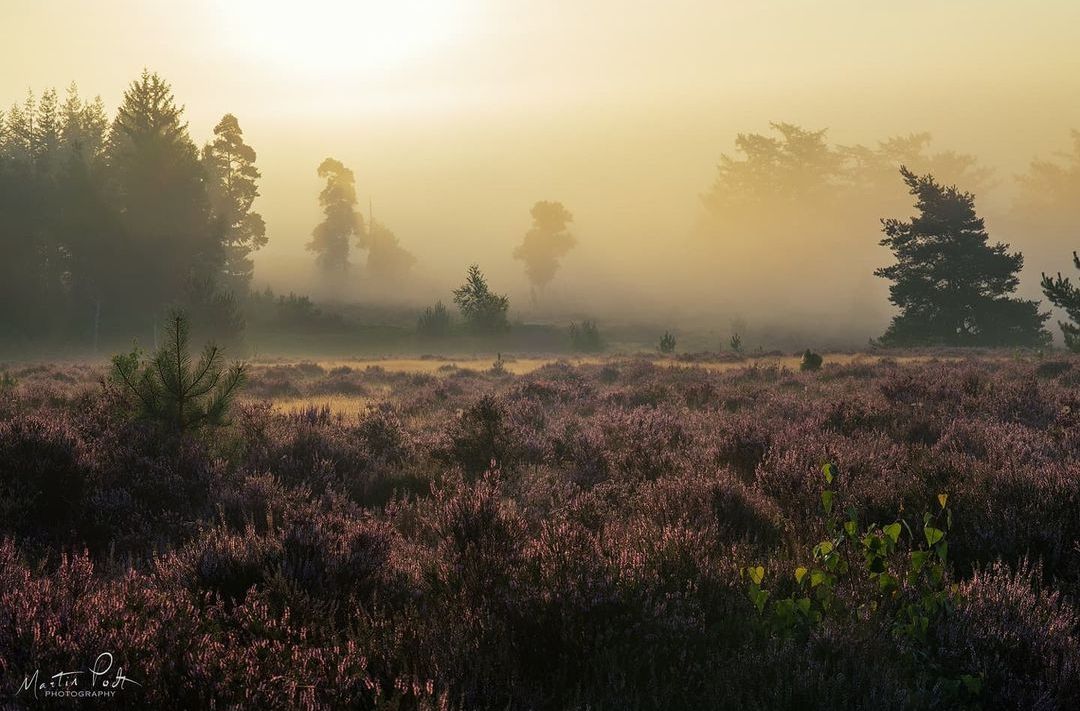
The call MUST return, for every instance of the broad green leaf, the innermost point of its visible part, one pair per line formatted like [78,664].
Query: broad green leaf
[816,578]
[800,573]
[942,499]
[757,574]
[933,535]
[826,500]
[893,531]
[823,549]
[827,470]
[851,528]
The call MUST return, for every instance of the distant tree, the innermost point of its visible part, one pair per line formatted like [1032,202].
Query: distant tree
[233,186]
[46,133]
[330,239]
[1049,190]
[83,126]
[736,342]
[667,342]
[387,259]
[950,285]
[434,322]
[585,337]
[1061,292]
[483,310]
[172,391]
[158,187]
[545,243]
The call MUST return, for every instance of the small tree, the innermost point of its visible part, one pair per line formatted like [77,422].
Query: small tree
[585,337]
[736,343]
[1065,295]
[434,322]
[667,342]
[172,392]
[483,310]
[951,285]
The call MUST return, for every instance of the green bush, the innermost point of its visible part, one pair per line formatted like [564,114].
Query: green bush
[586,337]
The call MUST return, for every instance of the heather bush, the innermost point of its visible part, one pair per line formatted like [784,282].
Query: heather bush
[576,537]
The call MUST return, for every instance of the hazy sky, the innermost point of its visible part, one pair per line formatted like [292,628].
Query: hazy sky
[457,116]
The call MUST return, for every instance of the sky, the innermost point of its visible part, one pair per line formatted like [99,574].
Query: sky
[456,116]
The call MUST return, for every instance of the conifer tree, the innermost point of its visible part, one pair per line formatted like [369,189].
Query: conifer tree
[1065,295]
[331,237]
[233,186]
[483,310]
[952,287]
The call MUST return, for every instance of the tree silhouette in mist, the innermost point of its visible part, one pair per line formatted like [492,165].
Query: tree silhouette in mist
[545,243]
[950,284]
[341,222]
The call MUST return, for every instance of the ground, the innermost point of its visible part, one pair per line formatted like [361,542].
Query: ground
[606,532]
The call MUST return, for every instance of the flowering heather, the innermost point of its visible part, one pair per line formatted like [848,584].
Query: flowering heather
[577,537]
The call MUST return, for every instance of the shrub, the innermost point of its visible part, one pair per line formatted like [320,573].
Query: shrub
[667,343]
[810,361]
[434,322]
[585,337]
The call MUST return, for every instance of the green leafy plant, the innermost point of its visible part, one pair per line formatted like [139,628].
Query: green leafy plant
[667,342]
[171,390]
[902,572]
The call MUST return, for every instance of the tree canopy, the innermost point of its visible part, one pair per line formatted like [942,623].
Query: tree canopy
[546,242]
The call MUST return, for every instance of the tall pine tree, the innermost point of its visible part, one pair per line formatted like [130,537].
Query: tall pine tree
[952,287]
[159,191]
[233,186]
[330,238]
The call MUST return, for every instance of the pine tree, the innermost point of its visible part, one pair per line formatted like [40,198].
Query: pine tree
[950,284]
[331,237]
[46,134]
[546,243]
[233,187]
[483,310]
[158,188]
[172,391]
[1065,295]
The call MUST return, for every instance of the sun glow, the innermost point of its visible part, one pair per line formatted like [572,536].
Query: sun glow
[336,39]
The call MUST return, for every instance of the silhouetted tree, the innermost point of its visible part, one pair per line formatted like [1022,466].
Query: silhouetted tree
[950,285]
[233,186]
[546,243]
[387,259]
[330,239]
[483,310]
[1062,293]
[159,190]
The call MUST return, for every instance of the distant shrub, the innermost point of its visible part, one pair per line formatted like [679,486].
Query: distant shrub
[736,343]
[484,311]
[171,391]
[585,337]
[810,361]
[667,342]
[434,322]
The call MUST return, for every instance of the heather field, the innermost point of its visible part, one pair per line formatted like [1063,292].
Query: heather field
[620,533]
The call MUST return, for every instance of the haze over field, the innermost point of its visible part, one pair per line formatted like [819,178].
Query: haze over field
[456,117]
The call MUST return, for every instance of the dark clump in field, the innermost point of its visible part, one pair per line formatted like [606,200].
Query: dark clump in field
[579,537]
